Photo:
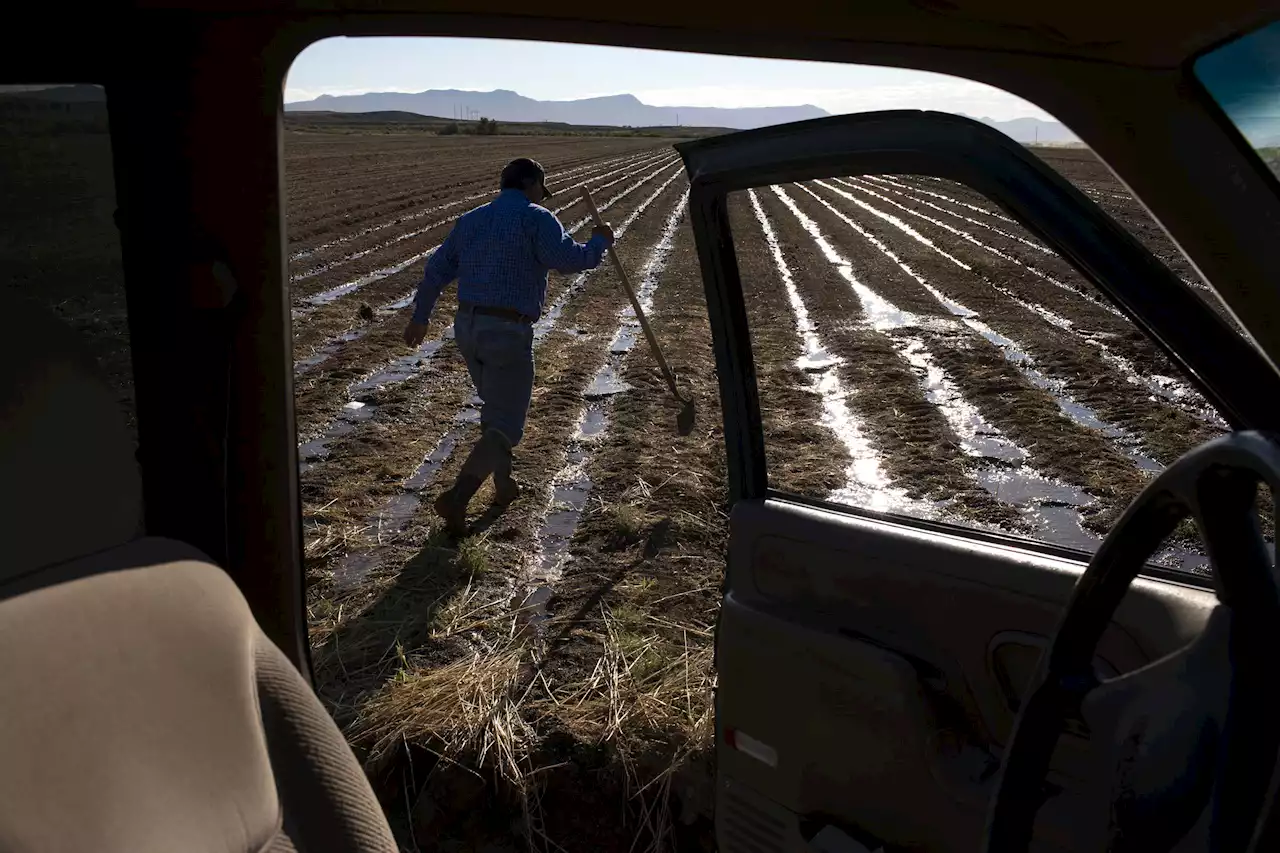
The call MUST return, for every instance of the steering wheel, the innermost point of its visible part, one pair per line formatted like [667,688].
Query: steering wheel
[1199,728]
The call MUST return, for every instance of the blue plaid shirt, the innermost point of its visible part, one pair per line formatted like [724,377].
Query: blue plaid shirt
[500,254]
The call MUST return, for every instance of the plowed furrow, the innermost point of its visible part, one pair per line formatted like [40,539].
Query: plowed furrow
[1081,366]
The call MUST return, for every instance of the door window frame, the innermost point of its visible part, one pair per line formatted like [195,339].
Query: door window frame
[1227,369]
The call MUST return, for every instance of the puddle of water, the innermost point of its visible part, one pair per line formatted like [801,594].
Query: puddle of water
[892,220]
[606,382]
[1077,411]
[400,509]
[950,304]
[531,609]
[1040,499]
[403,368]
[1161,386]
[326,351]
[1073,409]
[866,484]
[1092,298]
[572,486]
[977,436]
[880,313]
[570,490]
[344,424]
[593,422]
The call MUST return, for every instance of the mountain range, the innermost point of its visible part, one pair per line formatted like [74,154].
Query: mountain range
[505,105]
[611,110]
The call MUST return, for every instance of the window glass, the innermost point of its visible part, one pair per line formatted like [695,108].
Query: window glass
[58,240]
[70,476]
[918,352]
[1244,78]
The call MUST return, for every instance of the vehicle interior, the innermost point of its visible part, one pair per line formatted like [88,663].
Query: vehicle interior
[882,683]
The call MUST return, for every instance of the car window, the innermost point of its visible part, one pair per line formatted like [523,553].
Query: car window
[67,406]
[1243,77]
[59,245]
[919,353]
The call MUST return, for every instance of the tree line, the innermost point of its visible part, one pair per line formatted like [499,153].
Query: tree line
[484,127]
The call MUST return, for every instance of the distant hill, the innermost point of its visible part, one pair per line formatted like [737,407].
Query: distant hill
[1032,130]
[508,106]
[394,121]
[79,94]
[589,115]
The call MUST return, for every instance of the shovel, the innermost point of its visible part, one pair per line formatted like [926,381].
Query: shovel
[684,420]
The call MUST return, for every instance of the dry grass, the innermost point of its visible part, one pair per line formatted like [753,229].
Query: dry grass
[647,703]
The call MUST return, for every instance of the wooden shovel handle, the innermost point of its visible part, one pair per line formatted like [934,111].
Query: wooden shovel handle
[635,303]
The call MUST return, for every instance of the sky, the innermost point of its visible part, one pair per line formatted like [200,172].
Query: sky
[547,71]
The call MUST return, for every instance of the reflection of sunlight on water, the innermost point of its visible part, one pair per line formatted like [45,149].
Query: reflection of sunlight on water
[1049,506]
[572,485]
[867,485]
[1160,386]
[972,207]
[950,304]
[883,181]
[977,436]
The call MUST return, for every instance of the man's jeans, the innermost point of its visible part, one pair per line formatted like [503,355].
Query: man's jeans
[499,354]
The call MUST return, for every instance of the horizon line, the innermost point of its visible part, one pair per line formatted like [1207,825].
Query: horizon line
[615,95]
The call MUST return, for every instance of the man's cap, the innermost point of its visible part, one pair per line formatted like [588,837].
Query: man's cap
[522,169]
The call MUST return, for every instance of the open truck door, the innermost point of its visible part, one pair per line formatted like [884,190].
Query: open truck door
[876,645]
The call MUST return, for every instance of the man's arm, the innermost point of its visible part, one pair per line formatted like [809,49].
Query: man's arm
[441,268]
[557,250]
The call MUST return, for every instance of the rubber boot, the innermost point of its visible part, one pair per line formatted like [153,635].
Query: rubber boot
[451,505]
[506,488]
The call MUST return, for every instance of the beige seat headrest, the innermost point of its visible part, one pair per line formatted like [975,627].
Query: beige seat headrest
[70,482]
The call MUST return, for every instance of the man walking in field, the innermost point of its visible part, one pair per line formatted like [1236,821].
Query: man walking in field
[500,254]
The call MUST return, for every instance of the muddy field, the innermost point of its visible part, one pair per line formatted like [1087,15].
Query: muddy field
[917,352]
